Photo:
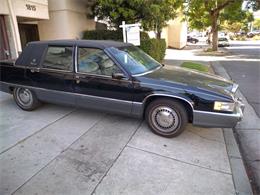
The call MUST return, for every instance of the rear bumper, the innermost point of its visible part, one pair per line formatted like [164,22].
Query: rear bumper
[216,119]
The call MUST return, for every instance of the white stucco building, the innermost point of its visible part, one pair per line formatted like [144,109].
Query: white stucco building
[22,21]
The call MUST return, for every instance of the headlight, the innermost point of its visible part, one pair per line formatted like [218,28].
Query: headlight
[224,106]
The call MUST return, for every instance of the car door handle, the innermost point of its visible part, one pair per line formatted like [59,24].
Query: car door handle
[78,77]
[35,69]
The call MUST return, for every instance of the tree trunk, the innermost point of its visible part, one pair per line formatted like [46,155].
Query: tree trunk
[214,30]
[158,34]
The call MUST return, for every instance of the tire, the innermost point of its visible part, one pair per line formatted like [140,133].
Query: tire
[165,117]
[25,99]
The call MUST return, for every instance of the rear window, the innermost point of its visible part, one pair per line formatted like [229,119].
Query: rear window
[59,58]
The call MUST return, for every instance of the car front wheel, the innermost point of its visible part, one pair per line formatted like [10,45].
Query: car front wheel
[166,118]
[25,98]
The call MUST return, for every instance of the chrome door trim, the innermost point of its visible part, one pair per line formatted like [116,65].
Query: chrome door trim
[70,93]
[76,59]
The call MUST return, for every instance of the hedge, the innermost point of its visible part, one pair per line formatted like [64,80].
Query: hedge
[154,47]
[115,35]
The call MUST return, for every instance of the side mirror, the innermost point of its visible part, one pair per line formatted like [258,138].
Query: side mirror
[118,75]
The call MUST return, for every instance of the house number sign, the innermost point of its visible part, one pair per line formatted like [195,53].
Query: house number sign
[30,7]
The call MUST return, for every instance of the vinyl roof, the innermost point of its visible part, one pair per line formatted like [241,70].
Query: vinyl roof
[102,44]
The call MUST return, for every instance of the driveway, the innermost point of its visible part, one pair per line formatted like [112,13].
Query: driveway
[63,150]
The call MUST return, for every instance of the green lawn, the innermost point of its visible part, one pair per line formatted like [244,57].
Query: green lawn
[195,66]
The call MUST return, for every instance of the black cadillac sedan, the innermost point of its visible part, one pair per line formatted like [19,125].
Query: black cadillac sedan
[120,78]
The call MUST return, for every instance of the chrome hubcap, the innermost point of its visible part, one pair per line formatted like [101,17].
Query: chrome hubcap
[165,119]
[24,96]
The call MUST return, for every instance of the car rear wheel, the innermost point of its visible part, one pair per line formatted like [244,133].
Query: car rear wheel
[166,118]
[25,98]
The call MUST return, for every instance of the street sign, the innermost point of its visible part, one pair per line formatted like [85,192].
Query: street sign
[131,33]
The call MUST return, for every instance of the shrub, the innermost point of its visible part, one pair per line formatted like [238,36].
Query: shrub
[256,37]
[231,37]
[154,47]
[239,37]
[115,35]
[208,50]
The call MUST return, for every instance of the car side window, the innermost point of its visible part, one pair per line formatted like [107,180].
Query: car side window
[59,58]
[95,61]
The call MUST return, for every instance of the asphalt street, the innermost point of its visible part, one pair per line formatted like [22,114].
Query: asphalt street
[246,73]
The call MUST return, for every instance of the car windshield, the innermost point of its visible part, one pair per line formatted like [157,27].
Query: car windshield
[134,59]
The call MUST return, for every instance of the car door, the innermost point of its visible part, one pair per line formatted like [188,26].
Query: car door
[95,86]
[53,80]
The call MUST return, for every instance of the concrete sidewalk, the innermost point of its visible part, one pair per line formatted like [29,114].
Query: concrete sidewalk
[60,150]
[250,144]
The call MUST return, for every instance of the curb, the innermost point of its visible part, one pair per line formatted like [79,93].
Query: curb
[241,181]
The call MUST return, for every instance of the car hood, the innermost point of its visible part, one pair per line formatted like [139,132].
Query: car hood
[193,78]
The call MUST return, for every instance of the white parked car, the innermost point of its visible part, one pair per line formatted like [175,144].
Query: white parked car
[223,42]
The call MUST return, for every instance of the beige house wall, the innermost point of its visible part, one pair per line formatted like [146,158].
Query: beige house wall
[68,19]
[41,9]
[175,34]
[20,9]
[29,10]
[4,7]
[56,19]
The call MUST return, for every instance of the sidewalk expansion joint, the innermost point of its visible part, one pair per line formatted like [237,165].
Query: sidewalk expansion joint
[93,192]
[235,157]
[205,137]
[181,161]
[46,126]
[52,160]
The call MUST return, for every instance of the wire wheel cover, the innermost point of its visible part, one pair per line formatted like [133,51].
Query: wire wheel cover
[24,97]
[165,119]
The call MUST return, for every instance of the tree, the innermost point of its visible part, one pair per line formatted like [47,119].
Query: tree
[116,11]
[236,19]
[205,13]
[153,14]
[157,13]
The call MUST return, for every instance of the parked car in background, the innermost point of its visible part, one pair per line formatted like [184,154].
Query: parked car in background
[240,33]
[253,33]
[120,78]
[192,40]
[223,42]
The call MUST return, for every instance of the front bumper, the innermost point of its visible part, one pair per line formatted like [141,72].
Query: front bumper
[216,119]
